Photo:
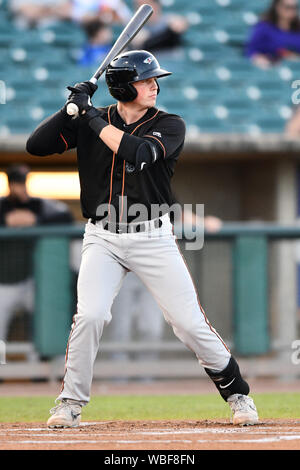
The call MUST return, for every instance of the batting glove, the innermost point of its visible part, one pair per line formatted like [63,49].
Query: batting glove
[93,118]
[85,87]
[81,94]
[82,100]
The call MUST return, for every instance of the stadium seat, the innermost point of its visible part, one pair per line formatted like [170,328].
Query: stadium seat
[214,86]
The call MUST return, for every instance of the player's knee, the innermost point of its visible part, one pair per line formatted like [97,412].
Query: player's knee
[96,315]
[229,381]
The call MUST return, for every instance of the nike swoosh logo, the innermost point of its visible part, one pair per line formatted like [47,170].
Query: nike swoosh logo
[225,386]
[142,165]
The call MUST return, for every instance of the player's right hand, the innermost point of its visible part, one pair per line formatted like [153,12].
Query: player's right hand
[85,87]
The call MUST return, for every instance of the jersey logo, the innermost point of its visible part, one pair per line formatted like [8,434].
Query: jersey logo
[129,168]
[148,60]
[157,133]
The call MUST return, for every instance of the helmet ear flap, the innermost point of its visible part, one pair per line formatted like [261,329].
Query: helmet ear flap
[133,92]
[158,87]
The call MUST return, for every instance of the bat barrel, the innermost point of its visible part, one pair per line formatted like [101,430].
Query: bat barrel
[129,32]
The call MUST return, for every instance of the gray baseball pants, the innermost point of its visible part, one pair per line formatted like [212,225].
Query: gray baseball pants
[155,257]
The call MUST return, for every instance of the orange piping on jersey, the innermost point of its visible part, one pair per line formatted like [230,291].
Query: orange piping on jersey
[111,171]
[200,306]
[113,163]
[66,143]
[123,182]
[144,122]
[152,137]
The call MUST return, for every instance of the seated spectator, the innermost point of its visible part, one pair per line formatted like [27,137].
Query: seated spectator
[107,11]
[292,128]
[162,32]
[99,42]
[276,36]
[19,209]
[44,12]
[35,12]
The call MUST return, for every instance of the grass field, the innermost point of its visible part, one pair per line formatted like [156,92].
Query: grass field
[158,407]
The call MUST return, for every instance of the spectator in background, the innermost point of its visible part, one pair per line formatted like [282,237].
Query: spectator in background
[99,42]
[44,12]
[34,13]
[19,209]
[292,128]
[107,11]
[162,33]
[276,36]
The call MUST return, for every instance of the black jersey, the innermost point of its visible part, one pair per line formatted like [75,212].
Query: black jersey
[107,178]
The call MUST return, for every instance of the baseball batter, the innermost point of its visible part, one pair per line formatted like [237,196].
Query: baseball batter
[127,153]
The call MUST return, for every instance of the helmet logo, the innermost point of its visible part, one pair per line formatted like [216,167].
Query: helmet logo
[148,60]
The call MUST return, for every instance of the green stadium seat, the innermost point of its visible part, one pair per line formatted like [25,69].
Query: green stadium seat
[214,87]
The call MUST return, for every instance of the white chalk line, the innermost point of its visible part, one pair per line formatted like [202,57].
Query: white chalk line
[75,431]
[156,441]
[82,441]
[262,440]
[73,434]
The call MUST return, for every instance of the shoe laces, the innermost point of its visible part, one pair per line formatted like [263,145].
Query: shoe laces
[64,404]
[241,403]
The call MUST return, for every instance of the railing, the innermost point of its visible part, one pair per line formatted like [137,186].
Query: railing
[250,258]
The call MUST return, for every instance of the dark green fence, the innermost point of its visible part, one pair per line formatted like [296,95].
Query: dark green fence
[250,283]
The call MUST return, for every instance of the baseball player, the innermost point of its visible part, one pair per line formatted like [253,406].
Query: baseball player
[126,154]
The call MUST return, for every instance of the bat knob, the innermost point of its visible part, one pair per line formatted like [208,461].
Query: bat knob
[72,109]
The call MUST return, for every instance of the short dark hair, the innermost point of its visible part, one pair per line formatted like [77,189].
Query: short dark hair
[92,27]
[271,16]
[17,173]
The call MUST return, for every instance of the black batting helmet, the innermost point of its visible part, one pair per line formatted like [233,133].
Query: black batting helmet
[130,67]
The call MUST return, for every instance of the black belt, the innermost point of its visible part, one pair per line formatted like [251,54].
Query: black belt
[128,228]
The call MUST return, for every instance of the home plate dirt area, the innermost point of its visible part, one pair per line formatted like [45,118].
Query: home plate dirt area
[149,435]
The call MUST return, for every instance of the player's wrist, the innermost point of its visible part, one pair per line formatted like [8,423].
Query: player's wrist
[94,120]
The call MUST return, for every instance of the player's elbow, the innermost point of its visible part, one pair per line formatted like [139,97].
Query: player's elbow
[146,154]
[35,148]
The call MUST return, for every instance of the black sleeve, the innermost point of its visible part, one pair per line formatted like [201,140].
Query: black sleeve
[54,212]
[167,136]
[134,149]
[56,134]
[169,133]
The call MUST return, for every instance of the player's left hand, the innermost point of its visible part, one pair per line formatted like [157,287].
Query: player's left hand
[81,99]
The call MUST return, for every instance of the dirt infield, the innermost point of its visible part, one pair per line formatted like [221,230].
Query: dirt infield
[149,435]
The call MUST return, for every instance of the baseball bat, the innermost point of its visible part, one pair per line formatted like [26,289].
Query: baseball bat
[129,32]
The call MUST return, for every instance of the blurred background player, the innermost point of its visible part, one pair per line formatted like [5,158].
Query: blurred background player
[19,209]
[277,35]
